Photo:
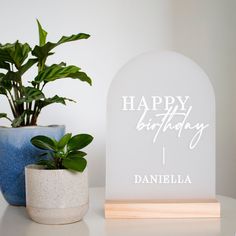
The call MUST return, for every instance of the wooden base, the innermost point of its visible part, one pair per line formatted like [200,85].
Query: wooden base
[162,209]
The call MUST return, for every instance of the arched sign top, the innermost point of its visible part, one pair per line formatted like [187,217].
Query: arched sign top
[166,64]
[160,130]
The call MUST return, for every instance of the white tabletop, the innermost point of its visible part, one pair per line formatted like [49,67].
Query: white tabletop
[15,222]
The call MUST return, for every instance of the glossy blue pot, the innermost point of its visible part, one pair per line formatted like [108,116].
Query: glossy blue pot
[16,152]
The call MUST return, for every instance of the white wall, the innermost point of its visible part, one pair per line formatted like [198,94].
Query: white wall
[120,29]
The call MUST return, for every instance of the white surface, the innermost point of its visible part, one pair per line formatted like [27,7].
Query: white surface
[203,30]
[139,127]
[14,221]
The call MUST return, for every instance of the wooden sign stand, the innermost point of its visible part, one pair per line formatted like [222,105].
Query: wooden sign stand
[162,209]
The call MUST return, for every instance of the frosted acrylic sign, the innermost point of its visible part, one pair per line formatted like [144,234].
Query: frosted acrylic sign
[160,130]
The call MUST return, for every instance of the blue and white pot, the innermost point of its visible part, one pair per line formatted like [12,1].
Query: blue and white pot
[16,152]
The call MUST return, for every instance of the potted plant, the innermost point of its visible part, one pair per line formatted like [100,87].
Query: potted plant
[57,188]
[26,100]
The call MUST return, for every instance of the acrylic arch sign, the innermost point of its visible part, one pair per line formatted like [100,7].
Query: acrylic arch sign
[160,130]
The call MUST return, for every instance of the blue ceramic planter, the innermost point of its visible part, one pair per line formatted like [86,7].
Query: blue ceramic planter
[16,152]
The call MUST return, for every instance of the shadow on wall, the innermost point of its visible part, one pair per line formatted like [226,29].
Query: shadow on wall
[205,31]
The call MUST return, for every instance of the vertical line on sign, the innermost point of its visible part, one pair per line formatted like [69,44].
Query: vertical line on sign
[163,155]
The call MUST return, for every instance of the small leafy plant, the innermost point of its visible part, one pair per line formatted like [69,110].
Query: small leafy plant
[27,100]
[65,153]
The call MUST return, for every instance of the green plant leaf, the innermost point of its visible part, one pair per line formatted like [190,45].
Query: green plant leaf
[3,115]
[43,142]
[12,76]
[5,84]
[77,163]
[20,54]
[43,51]
[30,94]
[1,76]
[28,65]
[79,141]
[5,50]
[18,120]
[3,91]
[49,164]
[73,37]
[14,53]
[63,141]
[55,99]
[42,34]
[55,72]
[82,76]
[4,65]
[74,154]
[43,154]
[33,94]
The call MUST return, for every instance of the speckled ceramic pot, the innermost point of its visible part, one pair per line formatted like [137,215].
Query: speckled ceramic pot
[56,196]
[16,152]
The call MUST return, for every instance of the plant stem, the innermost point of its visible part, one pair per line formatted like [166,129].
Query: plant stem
[34,115]
[28,107]
[8,119]
[28,114]
[12,105]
